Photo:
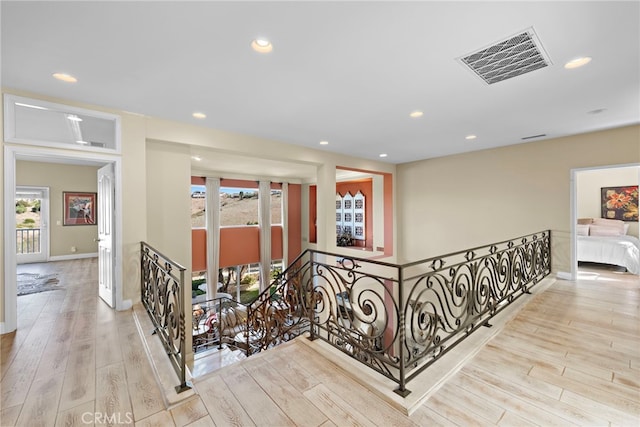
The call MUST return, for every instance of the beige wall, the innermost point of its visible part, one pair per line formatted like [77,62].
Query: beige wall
[458,202]
[134,201]
[589,183]
[60,178]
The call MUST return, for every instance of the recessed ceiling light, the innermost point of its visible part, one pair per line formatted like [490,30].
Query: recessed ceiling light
[65,77]
[383,155]
[470,137]
[324,142]
[196,158]
[82,142]
[416,114]
[578,62]
[199,115]
[261,45]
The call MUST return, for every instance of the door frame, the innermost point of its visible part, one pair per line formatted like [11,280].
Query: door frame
[573,239]
[44,219]
[12,153]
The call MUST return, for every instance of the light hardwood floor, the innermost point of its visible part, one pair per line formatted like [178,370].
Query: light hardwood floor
[570,357]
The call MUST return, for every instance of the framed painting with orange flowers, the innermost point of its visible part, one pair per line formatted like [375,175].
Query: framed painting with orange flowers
[620,203]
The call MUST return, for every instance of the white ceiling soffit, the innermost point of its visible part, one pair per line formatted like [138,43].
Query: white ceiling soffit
[511,57]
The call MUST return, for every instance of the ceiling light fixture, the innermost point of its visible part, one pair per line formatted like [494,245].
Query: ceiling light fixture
[415,114]
[65,77]
[324,142]
[470,137]
[73,118]
[261,45]
[82,142]
[383,155]
[196,158]
[576,63]
[198,115]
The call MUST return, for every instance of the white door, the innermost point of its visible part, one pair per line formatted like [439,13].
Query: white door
[32,224]
[106,221]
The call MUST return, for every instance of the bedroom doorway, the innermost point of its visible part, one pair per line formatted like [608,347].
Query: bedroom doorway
[586,199]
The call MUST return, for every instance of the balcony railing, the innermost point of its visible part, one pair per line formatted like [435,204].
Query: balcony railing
[162,294]
[27,240]
[396,319]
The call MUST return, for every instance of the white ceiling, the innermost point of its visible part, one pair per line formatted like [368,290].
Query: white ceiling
[346,72]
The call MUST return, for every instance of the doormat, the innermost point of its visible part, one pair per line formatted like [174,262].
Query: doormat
[30,283]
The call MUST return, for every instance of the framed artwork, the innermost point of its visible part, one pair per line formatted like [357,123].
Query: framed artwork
[79,208]
[620,202]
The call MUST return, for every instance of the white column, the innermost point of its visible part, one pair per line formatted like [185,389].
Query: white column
[285,225]
[213,235]
[264,221]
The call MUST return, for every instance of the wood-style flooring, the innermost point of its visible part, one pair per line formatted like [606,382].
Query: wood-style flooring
[570,357]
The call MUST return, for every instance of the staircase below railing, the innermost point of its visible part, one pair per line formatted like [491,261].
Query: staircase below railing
[162,294]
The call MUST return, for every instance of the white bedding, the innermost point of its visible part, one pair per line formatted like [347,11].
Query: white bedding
[616,250]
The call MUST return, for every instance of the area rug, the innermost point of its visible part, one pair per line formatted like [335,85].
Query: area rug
[30,283]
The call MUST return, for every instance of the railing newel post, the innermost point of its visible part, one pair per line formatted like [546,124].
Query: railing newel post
[402,386]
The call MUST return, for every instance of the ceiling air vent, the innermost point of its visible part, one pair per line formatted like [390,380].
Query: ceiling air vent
[518,54]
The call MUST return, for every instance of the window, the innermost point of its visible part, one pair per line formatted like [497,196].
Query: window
[276,206]
[198,206]
[238,206]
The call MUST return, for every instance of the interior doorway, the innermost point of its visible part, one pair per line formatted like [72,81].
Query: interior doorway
[47,155]
[586,186]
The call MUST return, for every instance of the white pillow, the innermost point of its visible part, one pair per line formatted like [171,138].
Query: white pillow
[601,230]
[582,230]
[610,223]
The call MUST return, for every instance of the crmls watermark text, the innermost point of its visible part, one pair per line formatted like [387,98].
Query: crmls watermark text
[104,418]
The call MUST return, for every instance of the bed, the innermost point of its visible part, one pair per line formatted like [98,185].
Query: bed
[622,250]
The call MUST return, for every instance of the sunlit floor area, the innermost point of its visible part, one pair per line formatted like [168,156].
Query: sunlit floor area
[569,357]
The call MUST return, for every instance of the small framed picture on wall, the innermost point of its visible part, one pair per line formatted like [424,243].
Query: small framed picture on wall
[79,208]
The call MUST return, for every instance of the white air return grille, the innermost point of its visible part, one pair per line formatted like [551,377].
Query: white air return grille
[517,55]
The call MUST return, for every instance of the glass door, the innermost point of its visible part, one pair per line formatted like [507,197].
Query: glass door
[32,232]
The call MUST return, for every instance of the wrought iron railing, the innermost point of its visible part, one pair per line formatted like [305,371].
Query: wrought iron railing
[218,321]
[283,311]
[396,319]
[27,240]
[162,294]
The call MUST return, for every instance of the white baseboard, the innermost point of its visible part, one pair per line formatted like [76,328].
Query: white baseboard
[3,328]
[73,256]
[563,275]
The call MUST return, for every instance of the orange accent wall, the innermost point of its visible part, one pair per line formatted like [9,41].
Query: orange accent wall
[388,214]
[239,245]
[313,213]
[295,221]
[365,186]
[198,249]
[276,242]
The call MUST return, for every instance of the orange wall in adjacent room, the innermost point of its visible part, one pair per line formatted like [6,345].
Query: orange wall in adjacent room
[313,213]
[366,188]
[295,221]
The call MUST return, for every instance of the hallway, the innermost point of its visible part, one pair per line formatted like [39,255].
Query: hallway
[570,357]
